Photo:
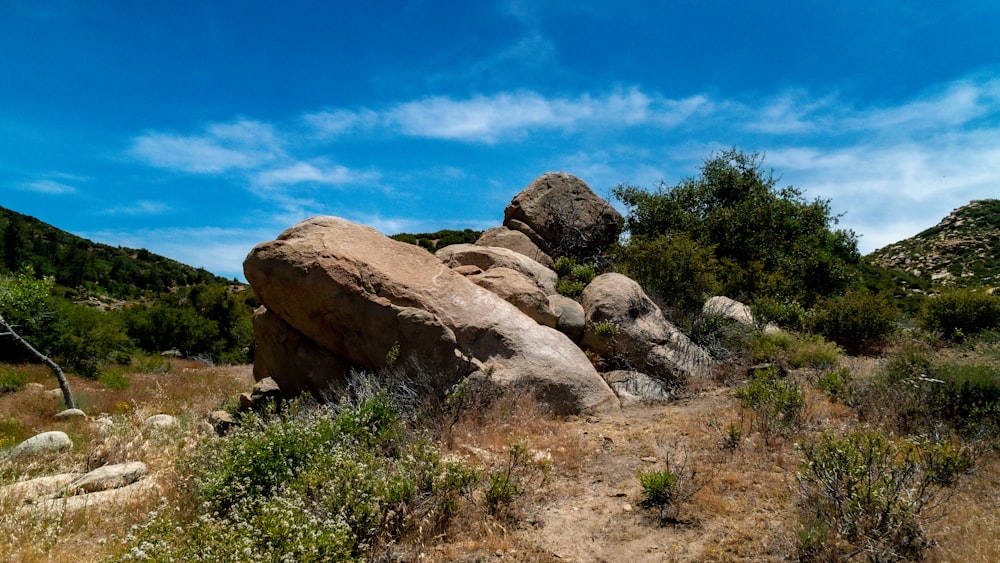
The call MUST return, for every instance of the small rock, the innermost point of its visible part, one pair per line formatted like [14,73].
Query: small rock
[103,425]
[35,387]
[246,401]
[110,477]
[648,459]
[71,414]
[160,422]
[57,393]
[42,443]
[221,421]
[627,507]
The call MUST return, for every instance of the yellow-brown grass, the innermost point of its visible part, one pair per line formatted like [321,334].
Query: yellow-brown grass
[187,390]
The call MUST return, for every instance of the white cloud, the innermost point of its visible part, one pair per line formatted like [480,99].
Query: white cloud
[242,144]
[336,122]
[956,105]
[488,119]
[144,207]
[48,187]
[311,172]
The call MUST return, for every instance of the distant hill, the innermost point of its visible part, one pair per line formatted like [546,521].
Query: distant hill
[76,262]
[440,239]
[962,250]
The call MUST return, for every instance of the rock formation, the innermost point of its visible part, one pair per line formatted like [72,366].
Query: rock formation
[564,217]
[338,297]
[355,294]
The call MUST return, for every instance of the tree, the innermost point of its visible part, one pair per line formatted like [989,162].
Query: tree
[762,240]
[22,295]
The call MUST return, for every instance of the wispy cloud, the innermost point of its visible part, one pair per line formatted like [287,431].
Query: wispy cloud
[242,144]
[144,207]
[337,122]
[51,187]
[490,119]
[317,172]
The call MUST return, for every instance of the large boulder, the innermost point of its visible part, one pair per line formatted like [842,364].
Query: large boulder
[355,295]
[636,334]
[517,241]
[564,217]
[518,290]
[488,257]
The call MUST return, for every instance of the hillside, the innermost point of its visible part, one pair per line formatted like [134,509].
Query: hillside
[76,262]
[962,250]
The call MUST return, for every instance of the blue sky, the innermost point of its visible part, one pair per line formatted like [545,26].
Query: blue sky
[197,129]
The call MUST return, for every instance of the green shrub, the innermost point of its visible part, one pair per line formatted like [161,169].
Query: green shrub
[776,403]
[785,313]
[658,487]
[962,312]
[607,329]
[858,321]
[673,269]
[834,382]
[796,350]
[917,394]
[573,277]
[509,479]
[113,379]
[865,493]
[12,380]
[570,288]
[667,490]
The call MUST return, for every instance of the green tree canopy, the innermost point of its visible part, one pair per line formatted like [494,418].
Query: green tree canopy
[736,233]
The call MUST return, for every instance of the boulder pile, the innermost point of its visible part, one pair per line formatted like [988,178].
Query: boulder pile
[339,297]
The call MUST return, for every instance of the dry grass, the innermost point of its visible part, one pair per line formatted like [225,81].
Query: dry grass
[186,389]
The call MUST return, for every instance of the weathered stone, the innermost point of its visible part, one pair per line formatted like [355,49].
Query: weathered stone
[564,217]
[489,257]
[160,422]
[109,477]
[728,308]
[71,414]
[517,241]
[101,502]
[221,422]
[646,341]
[469,270]
[572,319]
[357,295]
[46,442]
[633,388]
[33,489]
[296,363]
[515,288]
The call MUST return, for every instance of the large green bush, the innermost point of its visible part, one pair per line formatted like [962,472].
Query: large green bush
[962,312]
[858,321]
[764,240]
[673,267]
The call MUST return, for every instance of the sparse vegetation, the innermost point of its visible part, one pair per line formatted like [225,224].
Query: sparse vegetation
[868,494]
[573,277]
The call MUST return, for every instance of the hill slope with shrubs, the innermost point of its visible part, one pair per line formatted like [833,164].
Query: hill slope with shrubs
[91,306]
[962,250]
